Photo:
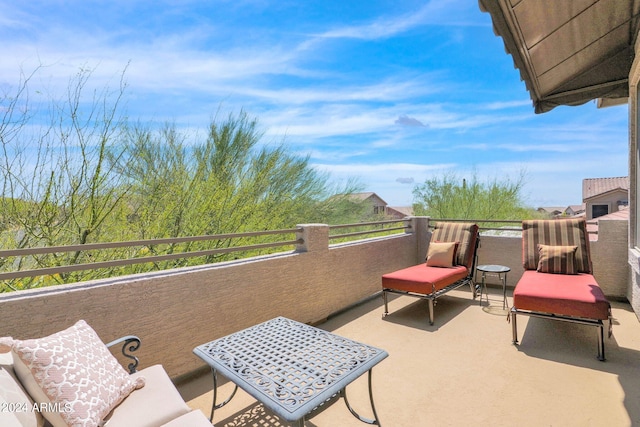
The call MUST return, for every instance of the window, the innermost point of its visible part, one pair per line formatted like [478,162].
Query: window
[599,210]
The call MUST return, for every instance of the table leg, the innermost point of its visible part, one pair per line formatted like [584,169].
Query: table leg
[215,394]
[483,289]
[375,421]
[504,291]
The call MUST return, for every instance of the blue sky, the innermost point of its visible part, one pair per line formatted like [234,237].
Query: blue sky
[390,93]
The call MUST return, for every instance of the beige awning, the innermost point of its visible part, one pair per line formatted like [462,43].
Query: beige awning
[568,51]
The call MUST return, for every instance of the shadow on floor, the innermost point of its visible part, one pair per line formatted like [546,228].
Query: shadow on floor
[255,415]
[577,345]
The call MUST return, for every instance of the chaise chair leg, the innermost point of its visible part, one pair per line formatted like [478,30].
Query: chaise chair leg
[601,343]
[386,303]
[514,327]
[431,303]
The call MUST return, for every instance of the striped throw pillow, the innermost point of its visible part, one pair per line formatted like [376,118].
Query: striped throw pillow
[555,232]
[557,259]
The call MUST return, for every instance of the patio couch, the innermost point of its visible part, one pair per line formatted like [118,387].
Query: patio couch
[71,378]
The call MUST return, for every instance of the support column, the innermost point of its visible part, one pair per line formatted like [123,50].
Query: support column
[315,238]
[420,228]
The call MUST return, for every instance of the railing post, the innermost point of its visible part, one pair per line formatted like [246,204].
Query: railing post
[420,228]
[315,237]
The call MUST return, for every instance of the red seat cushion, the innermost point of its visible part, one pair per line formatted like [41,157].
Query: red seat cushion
[423,279]
[576,295]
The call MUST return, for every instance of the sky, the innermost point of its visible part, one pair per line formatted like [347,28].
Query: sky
[388,93]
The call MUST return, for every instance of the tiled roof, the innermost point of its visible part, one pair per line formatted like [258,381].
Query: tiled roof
[401,210]
[552,209]
[621,214]
[595,186]
[366,196]
[592,225]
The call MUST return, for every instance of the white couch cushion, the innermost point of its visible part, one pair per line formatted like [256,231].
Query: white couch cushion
[74,373]
[192,419]
[154,405]
[16,407]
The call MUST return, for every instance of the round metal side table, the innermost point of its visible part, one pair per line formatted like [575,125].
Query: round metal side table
[500,271]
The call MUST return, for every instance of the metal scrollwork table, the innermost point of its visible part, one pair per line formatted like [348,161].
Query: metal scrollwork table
[295,370]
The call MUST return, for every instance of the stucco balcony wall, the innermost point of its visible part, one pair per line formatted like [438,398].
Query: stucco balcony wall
[501,250]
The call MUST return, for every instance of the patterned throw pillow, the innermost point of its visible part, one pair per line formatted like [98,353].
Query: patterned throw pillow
[557,259]
[73,374]
[441,254]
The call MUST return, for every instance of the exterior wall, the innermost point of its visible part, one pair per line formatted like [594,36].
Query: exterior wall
[610,199]
[633,292]
[174,311]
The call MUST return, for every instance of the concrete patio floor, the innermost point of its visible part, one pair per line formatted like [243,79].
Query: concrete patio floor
[464,370]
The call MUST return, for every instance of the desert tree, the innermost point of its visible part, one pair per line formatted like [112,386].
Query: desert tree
[58,187]
[449,196]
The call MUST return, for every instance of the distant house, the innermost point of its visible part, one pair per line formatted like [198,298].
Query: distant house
[575,210]
[380,207]
[552,211]
[570,211]
[603,196]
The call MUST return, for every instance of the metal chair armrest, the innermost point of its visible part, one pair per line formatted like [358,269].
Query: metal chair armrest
[130,343]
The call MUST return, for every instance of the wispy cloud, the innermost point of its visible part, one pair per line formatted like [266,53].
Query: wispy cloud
[507,104]
[432,12]
[382,168]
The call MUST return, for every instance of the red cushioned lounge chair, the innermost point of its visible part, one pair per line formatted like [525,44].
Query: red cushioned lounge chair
[558,282]
[446,268]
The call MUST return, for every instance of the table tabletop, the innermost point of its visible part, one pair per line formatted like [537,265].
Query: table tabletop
[290,367]
[492,268]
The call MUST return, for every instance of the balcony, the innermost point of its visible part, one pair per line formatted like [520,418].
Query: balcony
[465,371]
[459,371]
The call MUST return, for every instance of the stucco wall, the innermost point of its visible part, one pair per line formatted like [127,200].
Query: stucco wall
[502,251]
[633,255]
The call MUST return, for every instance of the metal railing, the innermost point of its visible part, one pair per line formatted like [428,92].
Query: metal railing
[380,227]
[355,231]
[373,228]
[491,223]
[140,260]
